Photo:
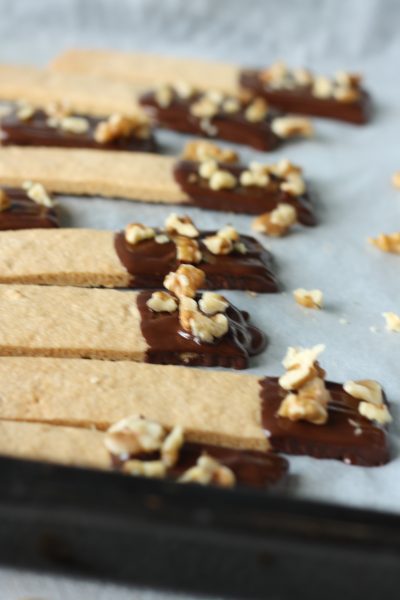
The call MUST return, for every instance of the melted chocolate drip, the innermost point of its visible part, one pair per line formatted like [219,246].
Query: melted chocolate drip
[149,262]
[169,344]
[36,132]
[346,436]
[254,469]
[250,199]
[24,213]
[301,101]
[233,127]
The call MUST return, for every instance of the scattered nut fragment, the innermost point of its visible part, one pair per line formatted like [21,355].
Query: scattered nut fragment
[201,150]
[184,89]
[254,178]
[204,107]
[207,328]
[74,124]
[392,321]
[387,242]
[185,281]
[346,94]
[294,185]
[162,302]
[229,233]
[365,389]
[181,225]
[275,73]
[278,222]
[308,298]
[4,200]
[221,179]
[164,96]
[231,105]
[171,446]
[304,407]
[212,303]
[208,470]
[161,238]
[38,193]
[134,435]
[187,308]
[25,111]
[217,244]
[187,249]
[117,126]
[302,77]
[301,366]
[380,414]
[145,468]
[58,109]
[322,87]
[207,168]
[287,127]
[283,168]
[396,179]
[136,232]
[256,111]
[345,79]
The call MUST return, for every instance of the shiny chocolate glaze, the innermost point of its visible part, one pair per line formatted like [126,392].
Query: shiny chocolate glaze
[300,100]
[36,132]
[250,199]
[254,469]
[346,436]
[149,262]
[233,127]
[24,213]
[170,344]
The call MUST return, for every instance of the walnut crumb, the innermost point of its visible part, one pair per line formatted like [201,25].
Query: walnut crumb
[208,470]
[134,435]
[218,245]
[251,178]
[145,468]
[392,321]
[288,127]
[256,111]
[308,298]
[372,405]
[301,366]
[164,96]
[204,107]
[162,302]
[4,200]
[185,281]
[293,185]
[207,168]
[221,180]
[171,446]
[25,111]
[212,303]
[181,225]
[136,232]
[187,250]
[322,87]
[277,222]
[387,242]
[75,125]
[117,126]
[37,192]
[201,150]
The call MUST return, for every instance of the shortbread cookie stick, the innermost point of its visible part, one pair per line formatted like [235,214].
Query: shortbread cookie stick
[109,324]
[153,178]
[90,258]
[147,69]
[81,93]
[226,409]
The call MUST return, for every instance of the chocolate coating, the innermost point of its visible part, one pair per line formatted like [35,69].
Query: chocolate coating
[233,127]
[36,132]
[336,439]
[24,213]
[254,469]
[169,344]
[250,199]
[149,262]
[301,101]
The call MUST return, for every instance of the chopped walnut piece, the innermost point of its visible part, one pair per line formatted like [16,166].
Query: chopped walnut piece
[365,389]
[217,244]
[294,185]
[4,200]
[278,222]
[231,105]
[345,79]
[387,242]
[392,321]
[204,107]
[76,125]
[301,366]
[309,298]
[322,87]
[284,168]
[207,168]
[25,111]
[275,73]
[161,238]
[171,446]
[256,111]
[185,281]
[200,150]
[184,89]
[145,468]
[346,94]
[117,126]
[187,308]
[38,193]
[304,406]
[187,249]
[302,77]
[136,232]
[181,225]
[208,470]
[134,435]
[164,96]
[380,414]
[221,179]
[162,302]
[287,127]
[396,179]
[253,178]
[58,109]
[212,303]
[228,232]
[207,328]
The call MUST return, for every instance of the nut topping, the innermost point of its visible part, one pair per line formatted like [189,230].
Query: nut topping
[253,178]
[204,107]
[392,321]
[187,250]
[164,96]
[181,225]
[185,281]
[187,309]
[171,446]
[25,111]
[136,232]
[117,126]
[37,193]
[184,89]
[256,111]
[4,200]
[231,105]
[207,328]
[207,168]
[278,222]
[293,185]
[134,435]
[301,366]
[145,468]
[287,127]
[212,303]
[308,298]
[162,302]
[322,87]
[221,179]
[208,470]
[76,125]
[380,414]
[201,150]
[217,244]
[283,168]
[229,233]
[372,406]
[387,242]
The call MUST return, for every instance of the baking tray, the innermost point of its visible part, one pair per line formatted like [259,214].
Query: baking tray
[238,543]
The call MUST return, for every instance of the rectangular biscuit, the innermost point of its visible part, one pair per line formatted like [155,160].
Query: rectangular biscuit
[82,93]
[214,407]
[148,69]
